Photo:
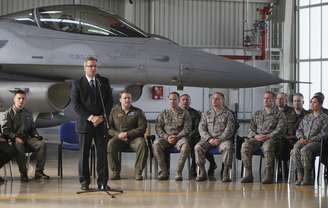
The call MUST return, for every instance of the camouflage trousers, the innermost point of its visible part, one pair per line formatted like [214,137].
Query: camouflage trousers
[225,148]
[138,145]
[160,145]
[302,155]
[252,145]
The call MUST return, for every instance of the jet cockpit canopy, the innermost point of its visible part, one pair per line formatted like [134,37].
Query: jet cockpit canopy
[77,19]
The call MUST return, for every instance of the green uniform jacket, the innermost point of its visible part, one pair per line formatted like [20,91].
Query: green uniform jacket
[134,122]
[18,122]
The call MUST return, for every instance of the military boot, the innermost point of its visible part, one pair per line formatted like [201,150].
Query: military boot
[300,177]
[307,180]
[138,175]
[202,174]
[268,179]
[248,175]
[163,173]
[226,175]
[178,176]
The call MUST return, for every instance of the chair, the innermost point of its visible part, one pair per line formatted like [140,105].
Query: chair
[69,141]
[323,159]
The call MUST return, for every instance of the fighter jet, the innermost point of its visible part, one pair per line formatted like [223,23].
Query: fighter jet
[41,49]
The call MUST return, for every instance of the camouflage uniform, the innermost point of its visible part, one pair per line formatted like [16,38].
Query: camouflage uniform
[324,110]
[219,125]
[314,129]
[177,123]
[271,124]
[134,123]
[19,123]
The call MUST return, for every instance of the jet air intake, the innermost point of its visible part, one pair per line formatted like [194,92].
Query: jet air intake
[42,97]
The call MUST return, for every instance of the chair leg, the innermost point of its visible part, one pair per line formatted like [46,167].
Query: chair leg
[60,161]
[283,171]
[260,169]
[242,170]
[276,170]
[146,170]
[150,166]
[318,174]
[189,171]
[10,170]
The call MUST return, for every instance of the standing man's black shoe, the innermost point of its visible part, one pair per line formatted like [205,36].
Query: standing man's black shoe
[103,187]
[41,175]
[24,177]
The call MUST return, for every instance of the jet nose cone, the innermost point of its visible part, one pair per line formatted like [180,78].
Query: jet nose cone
[204,69]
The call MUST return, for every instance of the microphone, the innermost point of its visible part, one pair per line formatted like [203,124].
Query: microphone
[97,79]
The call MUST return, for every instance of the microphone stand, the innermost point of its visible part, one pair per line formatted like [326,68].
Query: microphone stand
[108,189]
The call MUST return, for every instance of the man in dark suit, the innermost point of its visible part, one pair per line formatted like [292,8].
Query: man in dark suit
[86,96]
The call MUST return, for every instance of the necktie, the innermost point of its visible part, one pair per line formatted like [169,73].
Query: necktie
[93,86]
[92,83]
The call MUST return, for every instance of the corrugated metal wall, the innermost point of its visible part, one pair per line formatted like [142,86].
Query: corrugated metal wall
[196,23]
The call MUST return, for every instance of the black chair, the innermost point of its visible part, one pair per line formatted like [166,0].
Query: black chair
[69,141]
[323,159]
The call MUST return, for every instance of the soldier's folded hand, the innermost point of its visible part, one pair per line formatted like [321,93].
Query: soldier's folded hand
[123,136]
[172,139]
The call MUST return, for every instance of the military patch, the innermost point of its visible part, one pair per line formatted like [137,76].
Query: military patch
[131,113]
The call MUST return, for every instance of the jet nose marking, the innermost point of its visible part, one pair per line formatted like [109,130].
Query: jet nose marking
[3,43]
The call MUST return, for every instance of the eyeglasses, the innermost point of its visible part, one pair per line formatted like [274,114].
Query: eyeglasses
[91,66]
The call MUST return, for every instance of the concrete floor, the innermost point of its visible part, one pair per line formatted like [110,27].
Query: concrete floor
[150,192]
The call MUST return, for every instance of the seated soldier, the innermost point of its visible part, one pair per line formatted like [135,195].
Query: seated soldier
[216,129]
[293,115]
[311,130]
[172,127]
[193,137]
[18,126]
[127,126]
[266,127]
[7,151]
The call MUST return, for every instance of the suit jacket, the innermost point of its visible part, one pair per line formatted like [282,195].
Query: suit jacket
[86,102]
